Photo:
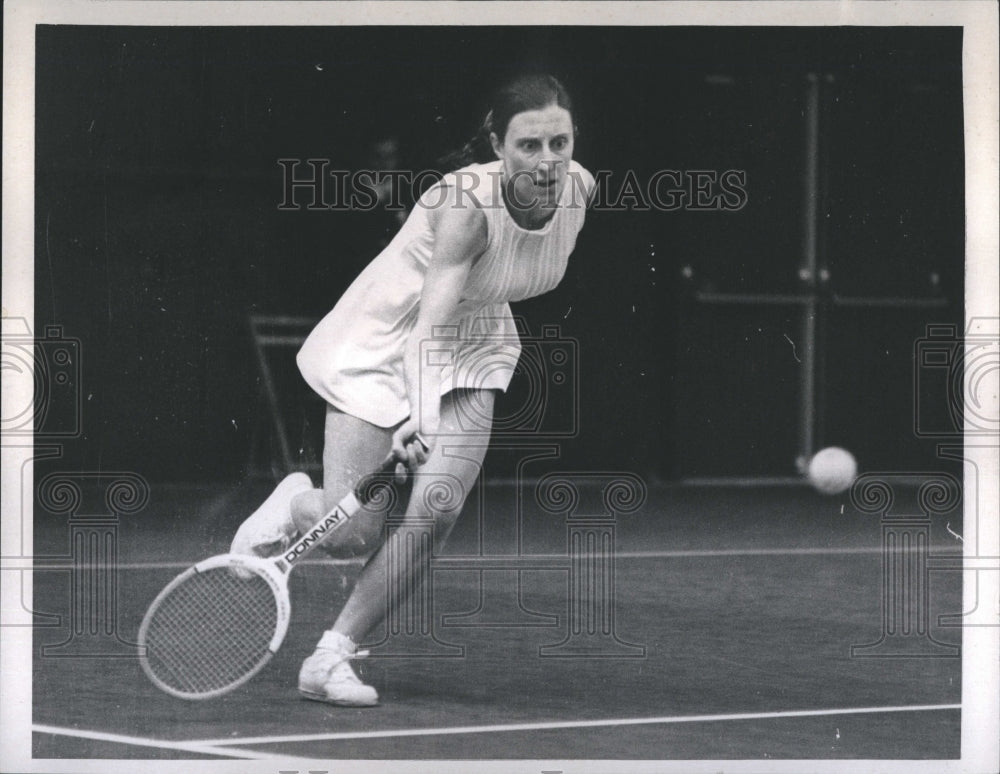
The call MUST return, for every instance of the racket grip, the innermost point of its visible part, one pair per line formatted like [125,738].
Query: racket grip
[366,488]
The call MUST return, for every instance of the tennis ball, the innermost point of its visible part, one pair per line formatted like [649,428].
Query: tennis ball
[832,470]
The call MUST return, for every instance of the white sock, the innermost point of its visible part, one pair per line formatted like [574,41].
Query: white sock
[333,640]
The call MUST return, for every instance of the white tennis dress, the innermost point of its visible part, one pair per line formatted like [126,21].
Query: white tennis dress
[354,356]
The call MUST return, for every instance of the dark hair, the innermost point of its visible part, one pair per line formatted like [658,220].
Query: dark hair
[528,92]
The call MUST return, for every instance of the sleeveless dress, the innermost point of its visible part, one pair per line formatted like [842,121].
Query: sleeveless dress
[354,357]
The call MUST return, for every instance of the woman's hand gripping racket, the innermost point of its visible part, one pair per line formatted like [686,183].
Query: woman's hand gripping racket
[218,623]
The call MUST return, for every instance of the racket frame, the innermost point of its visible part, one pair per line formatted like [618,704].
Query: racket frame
[274,571]
[277,581]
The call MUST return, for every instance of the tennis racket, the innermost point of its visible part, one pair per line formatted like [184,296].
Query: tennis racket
[217,624]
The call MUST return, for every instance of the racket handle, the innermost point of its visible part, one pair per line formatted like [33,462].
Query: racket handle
[367,486]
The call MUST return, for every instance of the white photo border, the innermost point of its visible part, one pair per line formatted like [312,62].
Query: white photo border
[981,645]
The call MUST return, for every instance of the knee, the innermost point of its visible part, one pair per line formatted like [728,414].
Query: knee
[358,536]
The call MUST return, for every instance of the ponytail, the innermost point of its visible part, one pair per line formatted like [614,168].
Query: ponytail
[477,150]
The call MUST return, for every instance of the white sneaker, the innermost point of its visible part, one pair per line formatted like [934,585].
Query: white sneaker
[327,675]
[269,530]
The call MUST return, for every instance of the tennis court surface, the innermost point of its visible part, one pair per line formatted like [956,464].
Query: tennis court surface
[727,633]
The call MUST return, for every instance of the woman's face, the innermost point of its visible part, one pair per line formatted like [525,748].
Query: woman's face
[536,151]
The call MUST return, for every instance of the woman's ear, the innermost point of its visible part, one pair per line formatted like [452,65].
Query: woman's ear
[497,145]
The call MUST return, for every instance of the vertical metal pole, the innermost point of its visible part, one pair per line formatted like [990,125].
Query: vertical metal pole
[807,273]
[271,390]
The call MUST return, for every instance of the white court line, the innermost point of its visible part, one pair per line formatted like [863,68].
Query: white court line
[610,722]
[163,744]
[25,563]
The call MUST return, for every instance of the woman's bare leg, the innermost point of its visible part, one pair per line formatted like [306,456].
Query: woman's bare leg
[440,487]
[351,448]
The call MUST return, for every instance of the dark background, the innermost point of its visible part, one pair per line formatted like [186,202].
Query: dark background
[158,230]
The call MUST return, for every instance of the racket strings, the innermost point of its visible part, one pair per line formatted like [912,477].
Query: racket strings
[211,631]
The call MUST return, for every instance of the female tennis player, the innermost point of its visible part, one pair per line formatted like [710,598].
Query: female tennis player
[411,356]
